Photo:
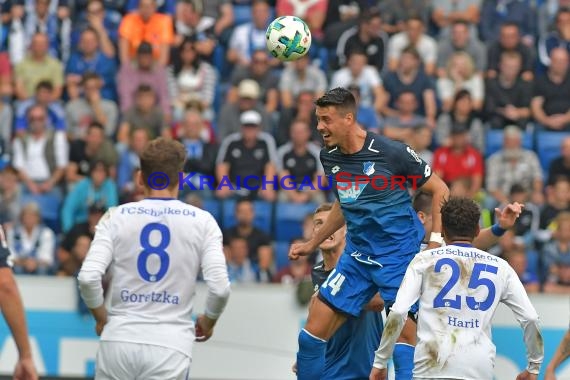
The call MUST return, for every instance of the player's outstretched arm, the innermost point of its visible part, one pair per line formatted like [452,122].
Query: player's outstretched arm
[562,353]
[334,221]
[506,218]
[440,192]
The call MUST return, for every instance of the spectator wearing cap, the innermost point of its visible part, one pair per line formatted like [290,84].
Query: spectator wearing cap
[98,187]
[249,153]
[259,71]
[248,99]
[401,126]
[301,76]
[146,25]
[461,114]
[556,255]
[45,96]
[91,107]
[143,71]
[513,165]
[460,160]
[32,244]
[508,96]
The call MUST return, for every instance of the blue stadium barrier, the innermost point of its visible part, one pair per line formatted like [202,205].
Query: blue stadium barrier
[548,146]
[263,215]
[289,219]
[281,255]
[214,207]
[494,141]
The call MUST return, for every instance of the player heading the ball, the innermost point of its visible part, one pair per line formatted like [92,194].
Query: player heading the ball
[154,259]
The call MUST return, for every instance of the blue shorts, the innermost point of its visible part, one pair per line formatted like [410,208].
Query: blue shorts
[357,278]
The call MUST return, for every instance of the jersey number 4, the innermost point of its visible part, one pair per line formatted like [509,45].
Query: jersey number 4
[474,282]
[159,250]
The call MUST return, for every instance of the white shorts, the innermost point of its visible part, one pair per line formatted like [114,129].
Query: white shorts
[133,361]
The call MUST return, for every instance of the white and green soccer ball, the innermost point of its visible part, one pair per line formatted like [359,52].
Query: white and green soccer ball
[288,38]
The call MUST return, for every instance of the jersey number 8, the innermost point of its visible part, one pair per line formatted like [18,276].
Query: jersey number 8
[148,250]
[474,282]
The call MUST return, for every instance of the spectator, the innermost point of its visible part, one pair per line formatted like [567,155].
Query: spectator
[365,116]
[546,15]
[98,187]
[93,147]
[519,262]
[91,107]
[260,251]
[32,244]
[560,167]
[70,265]
[508,96]
[190,24]
[129,164]
[222,12]
[91,58]
[421,141]
[300,76]
[460,161]
[403,125]
[510,40]
[259,71]
[558,201]
[44,96]
[146,114]
[249,37]
[40,155]
[248,94]
[395,13]
[369,37]
[98,15]
[10,196]
[249,153]
[38,66]
[342,14]
[550,104]
[297,270]
[557,257]
[146,25]
[192,79]
[461,114]
[461,75]
[303,109]
[144,71]
[528,223]
[446,12]
[460,40]
[558,39]
[167,7]
[514,165]
[313,12]
[360,73]
[240,268]
[415,36]
[494,13]
[410,76]
[299,167]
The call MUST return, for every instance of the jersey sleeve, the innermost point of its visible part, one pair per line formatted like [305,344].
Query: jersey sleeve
[516,298]
[408,163]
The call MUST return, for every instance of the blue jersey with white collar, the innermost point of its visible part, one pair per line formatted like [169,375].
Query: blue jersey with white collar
[373,187]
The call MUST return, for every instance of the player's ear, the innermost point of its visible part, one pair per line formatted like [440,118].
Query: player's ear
[422,217]
[139,178]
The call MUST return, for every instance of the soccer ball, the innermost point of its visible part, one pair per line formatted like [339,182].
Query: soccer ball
[288,38]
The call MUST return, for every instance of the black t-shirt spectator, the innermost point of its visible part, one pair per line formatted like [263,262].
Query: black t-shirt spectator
[556,96]
[286,118]
[374,50]
[494,57]
[77,155]
[548,214]
[266,82]
[394,86]
[70,238]
[299,166]
[204,163]
[256,239]
[557,169]
[497,96]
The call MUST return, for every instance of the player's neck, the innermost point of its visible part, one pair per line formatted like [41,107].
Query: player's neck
[330,258]
[161,194]
[460,242]
[353,142]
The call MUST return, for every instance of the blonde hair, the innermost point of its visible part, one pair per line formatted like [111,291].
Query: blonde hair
[468,61]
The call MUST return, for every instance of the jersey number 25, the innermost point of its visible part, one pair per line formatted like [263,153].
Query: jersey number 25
[474,282]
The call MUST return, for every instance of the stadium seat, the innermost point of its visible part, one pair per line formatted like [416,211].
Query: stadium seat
[548,147]
[263,215]
[494,141]
[289,220]
[214,207]
[281,255]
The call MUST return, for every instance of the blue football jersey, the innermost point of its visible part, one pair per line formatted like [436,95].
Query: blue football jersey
[373,188]
[350,351]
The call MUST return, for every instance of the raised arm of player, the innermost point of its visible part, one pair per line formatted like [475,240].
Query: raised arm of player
[13,310]
[93,269]
[515,297]
[505,218]
[562,353]
[440,192]
[334,221]
[408,294]
[216,276]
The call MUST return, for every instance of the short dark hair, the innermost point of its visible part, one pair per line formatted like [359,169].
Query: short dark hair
[340,98]
[422,202]
[508,24]
[241,201]
[96,164]
[144,88]
[89,75]
[411,49]
[163,156]
[415,17]
[561,11]
[370,14]
[44,85]
[96,125]
[460,218]
[460,22]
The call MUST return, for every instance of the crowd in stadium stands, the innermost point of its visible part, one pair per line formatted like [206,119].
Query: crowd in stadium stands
[479,88]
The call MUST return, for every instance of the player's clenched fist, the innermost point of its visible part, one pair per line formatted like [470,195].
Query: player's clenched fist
[204,328]
[378,374]
[301,249]
[525,375]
